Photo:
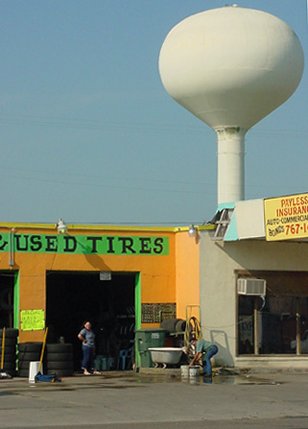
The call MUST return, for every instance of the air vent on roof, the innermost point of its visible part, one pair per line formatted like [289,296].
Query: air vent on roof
[250,286]
[222,220]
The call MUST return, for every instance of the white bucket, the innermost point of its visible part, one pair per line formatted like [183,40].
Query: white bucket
[194,380]
[33,370]
[184,371]
[194,371]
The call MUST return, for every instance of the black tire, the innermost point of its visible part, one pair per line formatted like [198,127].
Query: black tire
[169,324]
[9,357]
[60,365]
[59,348]
[24,365]
[30,347]
[8,350]
[62,372]
[59,357]
[28,356]
[9,342]
[23,373]
[180,326]
[9,333]
[9,366]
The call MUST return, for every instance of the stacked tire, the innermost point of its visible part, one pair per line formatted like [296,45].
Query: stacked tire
[9,350]
[60,359]
[28,352]
[173,325]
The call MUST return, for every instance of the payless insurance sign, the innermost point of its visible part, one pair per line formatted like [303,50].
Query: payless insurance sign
[286,218]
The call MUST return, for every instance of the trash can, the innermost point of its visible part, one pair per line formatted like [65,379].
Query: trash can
[147,338]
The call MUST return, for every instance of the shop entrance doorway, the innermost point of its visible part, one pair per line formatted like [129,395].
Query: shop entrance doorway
[107,301]
[7,285]
[277,324]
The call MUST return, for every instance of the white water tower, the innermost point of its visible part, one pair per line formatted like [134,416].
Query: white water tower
[231,67]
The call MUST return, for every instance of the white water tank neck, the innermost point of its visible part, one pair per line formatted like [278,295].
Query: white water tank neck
[230,164]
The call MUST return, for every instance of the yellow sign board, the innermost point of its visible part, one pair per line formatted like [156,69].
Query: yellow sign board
[286,218]
[32,320]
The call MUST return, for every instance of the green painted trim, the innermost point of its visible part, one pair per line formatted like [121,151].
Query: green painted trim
[138,301]
[231,233]
[16,299]
[228,205]
[137,314]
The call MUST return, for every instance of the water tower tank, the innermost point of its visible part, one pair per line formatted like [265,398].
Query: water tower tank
[231,67]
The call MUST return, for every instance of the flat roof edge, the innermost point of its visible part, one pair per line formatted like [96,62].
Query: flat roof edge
[102,227]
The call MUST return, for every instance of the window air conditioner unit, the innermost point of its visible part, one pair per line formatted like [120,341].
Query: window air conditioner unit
[254,287]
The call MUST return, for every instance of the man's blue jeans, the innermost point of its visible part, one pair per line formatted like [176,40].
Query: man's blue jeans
[87,357]
[207,366]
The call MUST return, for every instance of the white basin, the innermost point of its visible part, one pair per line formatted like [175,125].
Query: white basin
[165,355]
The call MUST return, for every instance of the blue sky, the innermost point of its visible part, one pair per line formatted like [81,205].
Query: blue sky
[89,134]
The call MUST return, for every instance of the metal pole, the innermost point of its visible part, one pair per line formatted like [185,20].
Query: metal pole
[256,327]
[298,329]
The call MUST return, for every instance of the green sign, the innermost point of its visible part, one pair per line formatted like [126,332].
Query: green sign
[86,244]
[32,320]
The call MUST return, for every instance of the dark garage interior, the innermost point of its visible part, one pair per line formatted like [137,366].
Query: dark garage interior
[74,297]
[7,279]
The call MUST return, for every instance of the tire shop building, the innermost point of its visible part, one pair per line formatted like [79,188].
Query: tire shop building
[120,278]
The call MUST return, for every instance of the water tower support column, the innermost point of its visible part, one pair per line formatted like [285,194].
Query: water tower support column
[230,167]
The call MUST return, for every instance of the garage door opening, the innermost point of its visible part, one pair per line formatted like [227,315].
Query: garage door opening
[74,297]
[8,285]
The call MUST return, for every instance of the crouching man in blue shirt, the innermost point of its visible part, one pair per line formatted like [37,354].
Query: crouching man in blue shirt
[204,351]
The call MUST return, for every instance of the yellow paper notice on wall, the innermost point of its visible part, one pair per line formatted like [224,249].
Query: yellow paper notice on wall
[32,320]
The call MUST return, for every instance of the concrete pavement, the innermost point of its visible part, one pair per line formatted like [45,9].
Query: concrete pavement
[157,399]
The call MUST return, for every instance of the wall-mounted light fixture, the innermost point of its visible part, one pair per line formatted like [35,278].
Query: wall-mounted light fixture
[193,231]
[61,226]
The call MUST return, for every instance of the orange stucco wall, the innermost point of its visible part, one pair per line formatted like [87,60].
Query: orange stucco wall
[187,275]
[157,272]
